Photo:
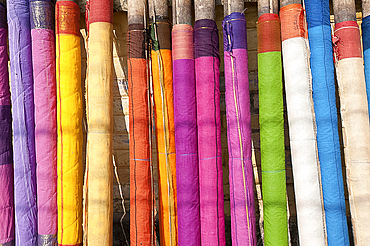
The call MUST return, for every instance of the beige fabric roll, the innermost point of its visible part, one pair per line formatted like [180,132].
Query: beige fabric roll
[100,138]
[356,137]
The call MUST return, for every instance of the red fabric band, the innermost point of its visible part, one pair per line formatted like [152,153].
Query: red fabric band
[346,40]
[268,33]
[101,11]
[292,22]
[67,15]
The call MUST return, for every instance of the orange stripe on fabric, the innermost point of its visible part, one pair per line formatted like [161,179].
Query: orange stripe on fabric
[347,40]
[67,19]
[268,33]
[182,42]
[101,11]
[292,22]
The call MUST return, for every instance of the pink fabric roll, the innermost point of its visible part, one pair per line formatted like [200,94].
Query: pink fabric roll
[43,53]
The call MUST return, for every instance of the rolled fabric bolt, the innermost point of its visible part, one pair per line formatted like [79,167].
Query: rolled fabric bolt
[69,123]
[301,120]
[23,122]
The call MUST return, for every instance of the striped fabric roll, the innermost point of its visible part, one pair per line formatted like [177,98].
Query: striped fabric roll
[355,125]
[239,132]
[164,129]
[271,118]
[100,124]
[6,151]
[69,123]
[43,58]
[185,116]
[207,62]
[310,211]
[322,68]
[23,122]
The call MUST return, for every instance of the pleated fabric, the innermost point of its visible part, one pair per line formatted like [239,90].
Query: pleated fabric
[69,123]
[164,129]
[207,62]
[141,193]
[6,151]
[185,116]
[301,120]
[365,26]
[23,122]
[322,68]
[271,118]
[100,124]
[239,131]
[43,61]
[355,125]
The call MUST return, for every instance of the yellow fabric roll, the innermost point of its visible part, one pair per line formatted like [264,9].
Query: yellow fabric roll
[70,139]
[165,136]
[100,138]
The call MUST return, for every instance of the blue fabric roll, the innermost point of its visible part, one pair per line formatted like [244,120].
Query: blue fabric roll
[23,122]
[365,26]
[322,68]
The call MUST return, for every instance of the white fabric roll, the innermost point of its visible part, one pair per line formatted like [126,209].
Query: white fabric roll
[308,195]
[356,137]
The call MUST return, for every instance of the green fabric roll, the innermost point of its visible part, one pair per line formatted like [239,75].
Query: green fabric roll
[272,148]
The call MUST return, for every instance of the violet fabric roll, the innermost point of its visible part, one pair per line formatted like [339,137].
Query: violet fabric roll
[239,133]
[185,115]
[6,151]
[23,122]
[207,61]
[43,58]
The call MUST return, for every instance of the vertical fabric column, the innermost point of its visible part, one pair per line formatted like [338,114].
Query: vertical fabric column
[187,168]
[310,212]
[23,122]
[69,123]
[271,118]
[141,196]
[322,68]
[165,129]
[43,59]
[365,26]
[239,132]
[355,125]
[100,124]
[207,62]
[6,151]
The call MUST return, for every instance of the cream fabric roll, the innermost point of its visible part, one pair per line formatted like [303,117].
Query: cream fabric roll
[306,169]
[356,137]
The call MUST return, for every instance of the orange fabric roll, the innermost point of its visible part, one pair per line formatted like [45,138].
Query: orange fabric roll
[165,136]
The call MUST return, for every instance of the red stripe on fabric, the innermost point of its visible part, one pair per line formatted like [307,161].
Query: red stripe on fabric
[268,33]
[67,18]
[101,11]
[292,22]
[347,40]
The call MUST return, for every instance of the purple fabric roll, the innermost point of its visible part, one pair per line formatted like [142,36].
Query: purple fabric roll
[23,122]
[238,115]
[209,133]
[187,169]
[6,151]
[43,58]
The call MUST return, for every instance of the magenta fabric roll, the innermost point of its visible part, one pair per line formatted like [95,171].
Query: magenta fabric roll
[187,169]
[207,74]
[239,133]
[6,152]
[43,58]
